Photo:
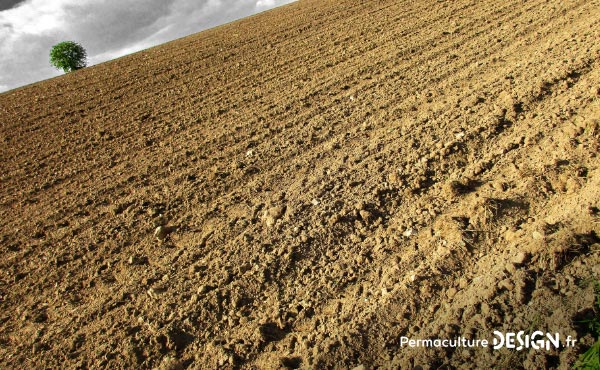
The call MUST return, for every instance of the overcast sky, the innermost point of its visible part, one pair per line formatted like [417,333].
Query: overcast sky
[107,29]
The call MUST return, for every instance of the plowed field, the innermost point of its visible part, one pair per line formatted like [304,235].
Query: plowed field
[327,178]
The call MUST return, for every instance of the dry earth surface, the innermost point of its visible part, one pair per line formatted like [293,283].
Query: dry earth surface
[328,177]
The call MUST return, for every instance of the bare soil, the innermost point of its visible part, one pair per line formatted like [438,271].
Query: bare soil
[328,177]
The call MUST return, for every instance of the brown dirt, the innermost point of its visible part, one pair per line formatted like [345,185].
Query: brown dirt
[329,177]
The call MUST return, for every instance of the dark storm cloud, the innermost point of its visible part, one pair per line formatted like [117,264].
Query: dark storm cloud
[107,29]
[114,24]
[7,4]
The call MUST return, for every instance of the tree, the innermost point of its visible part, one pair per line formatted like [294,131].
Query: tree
[68,56]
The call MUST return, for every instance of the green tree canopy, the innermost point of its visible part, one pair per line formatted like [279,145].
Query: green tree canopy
[68,56]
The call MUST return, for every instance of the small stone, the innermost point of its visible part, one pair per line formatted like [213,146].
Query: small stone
[159,220]
[269,220]
[151,293]
[365,215]
[137,260]
[417,183]
[409,232]
[359,367]
[203,289]
[273,214]
[537,235]
[451,292]
[512,235]
[161,233]
[156,290]
[520,259]
[506,284]
[506,100]
[510,268]
[485,309]
[315,202]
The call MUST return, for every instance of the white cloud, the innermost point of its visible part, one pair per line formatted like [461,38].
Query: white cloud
[264,4]
[34,17]
[106,29]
